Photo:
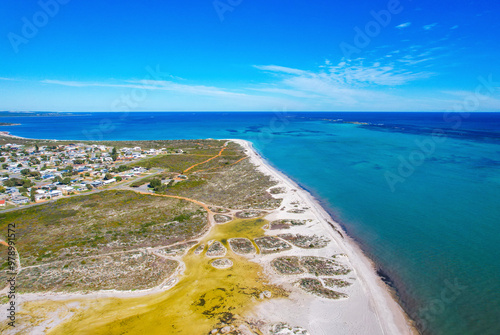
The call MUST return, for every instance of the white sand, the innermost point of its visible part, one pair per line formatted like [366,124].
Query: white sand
[370,308]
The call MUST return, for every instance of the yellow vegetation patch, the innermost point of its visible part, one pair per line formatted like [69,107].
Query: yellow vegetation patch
[204,298]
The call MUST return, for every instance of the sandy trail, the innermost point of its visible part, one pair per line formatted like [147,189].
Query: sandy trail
[208,160]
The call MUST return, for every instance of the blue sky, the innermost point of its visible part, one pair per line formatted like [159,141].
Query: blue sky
[162,55]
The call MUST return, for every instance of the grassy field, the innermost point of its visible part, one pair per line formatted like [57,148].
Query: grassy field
[97,224]
[229,180]
[237,186]
[125,271]
[195,155]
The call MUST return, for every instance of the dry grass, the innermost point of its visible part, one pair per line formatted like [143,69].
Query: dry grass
[306,242]
[288,265]
[216,249]
[127,271]
[242,246]
[72,230]
[238,186]
[321,266]
[271,244]
[314,286]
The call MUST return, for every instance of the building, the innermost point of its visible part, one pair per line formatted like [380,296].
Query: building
[109,181]
[20,200]
[55,193]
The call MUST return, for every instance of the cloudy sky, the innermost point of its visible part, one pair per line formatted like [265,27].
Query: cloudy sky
[242,55]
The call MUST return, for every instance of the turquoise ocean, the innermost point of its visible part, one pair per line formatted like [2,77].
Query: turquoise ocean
[419,192]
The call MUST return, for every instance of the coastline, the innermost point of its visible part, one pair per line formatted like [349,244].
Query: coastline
[391,317]
[9,135]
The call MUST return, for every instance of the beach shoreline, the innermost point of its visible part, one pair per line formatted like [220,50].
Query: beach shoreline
[384,312]
[391,316]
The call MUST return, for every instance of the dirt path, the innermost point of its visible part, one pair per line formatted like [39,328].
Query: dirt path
[220,167]
[178,197]
[208,160]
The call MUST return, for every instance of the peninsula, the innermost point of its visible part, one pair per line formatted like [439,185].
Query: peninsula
[176,237]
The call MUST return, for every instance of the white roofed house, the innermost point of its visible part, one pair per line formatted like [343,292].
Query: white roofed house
[20,200]
[55,193]
[66,189]
[109,181]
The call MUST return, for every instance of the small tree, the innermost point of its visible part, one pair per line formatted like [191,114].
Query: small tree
[32,194]
[155,183]
[118,178]
[114,154]
[108,176]
[89,187]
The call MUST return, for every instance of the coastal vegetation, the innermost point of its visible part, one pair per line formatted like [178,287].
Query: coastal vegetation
[219,218]
[124,271]
[211,296]
[271,244]
[288,265]
[72,237]
[306,242]
[334,282]
[237,186]
[321,266]
[314,286]
[216,249]
[242,246]
[285,224]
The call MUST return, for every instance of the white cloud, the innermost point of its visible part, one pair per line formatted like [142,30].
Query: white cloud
[430,26]
[276,68]
[403,25]
[163,85]
[348,85]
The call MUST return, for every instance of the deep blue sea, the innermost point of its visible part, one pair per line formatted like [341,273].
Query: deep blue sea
[420,192]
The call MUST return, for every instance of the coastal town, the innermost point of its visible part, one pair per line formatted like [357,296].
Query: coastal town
[31,174]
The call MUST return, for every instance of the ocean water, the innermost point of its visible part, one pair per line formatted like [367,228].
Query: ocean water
[420,192]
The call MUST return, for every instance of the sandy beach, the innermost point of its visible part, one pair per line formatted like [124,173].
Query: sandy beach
[370,308]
